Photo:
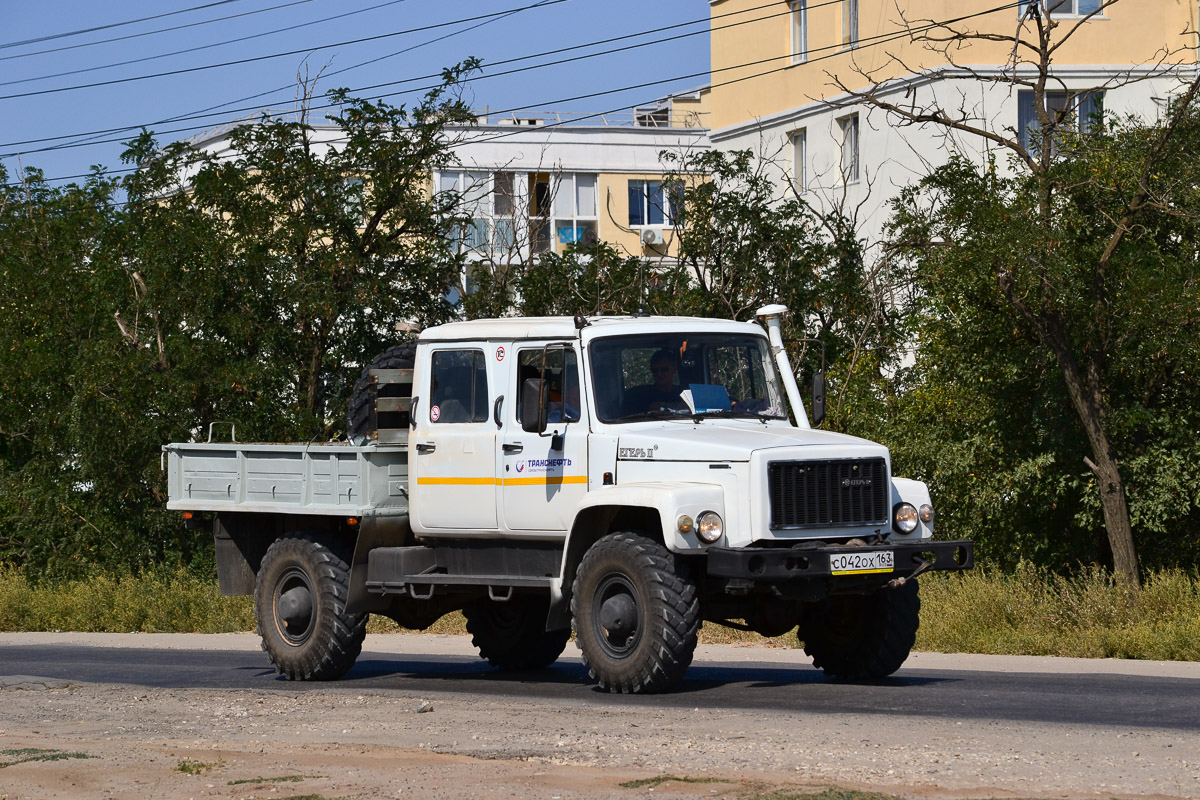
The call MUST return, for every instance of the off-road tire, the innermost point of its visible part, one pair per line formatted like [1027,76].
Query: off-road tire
[636,615]
[512,635]
[864,637]
[358,415]
[322,644]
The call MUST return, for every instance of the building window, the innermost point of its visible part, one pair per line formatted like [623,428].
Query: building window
[799,31]
[574,208]
[474,192]
[799,141]
[1062,8]
[458,388]
[849,23]
[849,126]
[652,203]
[1080,112]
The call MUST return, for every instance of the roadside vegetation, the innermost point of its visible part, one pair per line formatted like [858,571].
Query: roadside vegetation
[1029,611]
[1027,347]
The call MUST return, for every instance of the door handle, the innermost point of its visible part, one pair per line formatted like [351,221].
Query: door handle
[426,448]
[512,448]
[496,411]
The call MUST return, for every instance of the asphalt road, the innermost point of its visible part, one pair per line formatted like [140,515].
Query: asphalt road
[721,678]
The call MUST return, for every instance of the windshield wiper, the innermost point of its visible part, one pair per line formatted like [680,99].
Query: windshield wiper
[660,414]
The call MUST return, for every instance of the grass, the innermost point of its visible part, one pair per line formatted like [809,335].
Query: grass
[25,754]
[278,779]
[1029,611]
[659,780]
[160,601]
[189,767]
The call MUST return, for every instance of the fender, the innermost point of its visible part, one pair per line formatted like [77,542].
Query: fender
[906,490]
[601,510]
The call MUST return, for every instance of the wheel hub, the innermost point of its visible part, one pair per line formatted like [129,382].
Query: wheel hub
[618,616]
[294,607]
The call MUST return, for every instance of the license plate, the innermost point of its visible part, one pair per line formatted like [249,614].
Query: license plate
[862,563]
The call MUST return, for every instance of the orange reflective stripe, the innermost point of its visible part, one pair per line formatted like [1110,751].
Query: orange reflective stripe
[549,480]
[457,481]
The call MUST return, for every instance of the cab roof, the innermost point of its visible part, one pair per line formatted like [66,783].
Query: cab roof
[513,328]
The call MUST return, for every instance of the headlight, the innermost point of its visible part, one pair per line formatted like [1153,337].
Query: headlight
[925,512]
[709,527]
[904,518]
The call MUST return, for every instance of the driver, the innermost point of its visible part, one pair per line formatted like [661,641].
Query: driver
[663,393]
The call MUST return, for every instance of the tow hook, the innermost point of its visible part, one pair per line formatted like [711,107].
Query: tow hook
[896,583]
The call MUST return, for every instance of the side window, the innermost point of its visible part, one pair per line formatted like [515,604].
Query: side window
[458,390]
[562,373]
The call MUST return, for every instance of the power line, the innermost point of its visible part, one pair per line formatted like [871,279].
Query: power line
[838,50]
[433,75]
[205,46]
[201,113]
[111,25]
[82,45]
[269,56]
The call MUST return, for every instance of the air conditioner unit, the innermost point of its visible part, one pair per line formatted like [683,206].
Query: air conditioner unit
[652,236]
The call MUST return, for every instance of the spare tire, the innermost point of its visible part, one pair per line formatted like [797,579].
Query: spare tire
[359,429]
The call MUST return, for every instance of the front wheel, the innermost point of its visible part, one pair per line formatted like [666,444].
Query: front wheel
[636,616]
[512,635]
[300,605]
[862,637]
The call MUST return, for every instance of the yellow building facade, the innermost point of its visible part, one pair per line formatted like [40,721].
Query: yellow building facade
[787,82]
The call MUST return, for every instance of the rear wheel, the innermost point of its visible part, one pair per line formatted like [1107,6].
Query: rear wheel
[636,616]
[512,635]
[862,637]
[359,429]
[300,605]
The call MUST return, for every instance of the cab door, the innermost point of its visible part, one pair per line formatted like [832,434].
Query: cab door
[544,476]
[452,455]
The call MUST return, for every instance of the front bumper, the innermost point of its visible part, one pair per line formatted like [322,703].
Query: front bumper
[775,565]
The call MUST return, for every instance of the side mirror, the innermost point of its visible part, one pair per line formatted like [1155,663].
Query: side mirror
[818,398]
[535,402]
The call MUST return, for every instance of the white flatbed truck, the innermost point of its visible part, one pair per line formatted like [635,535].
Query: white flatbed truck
[630,477]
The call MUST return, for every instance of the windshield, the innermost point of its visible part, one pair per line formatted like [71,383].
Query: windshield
[658,376]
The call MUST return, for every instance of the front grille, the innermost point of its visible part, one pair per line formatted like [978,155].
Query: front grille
[815,494]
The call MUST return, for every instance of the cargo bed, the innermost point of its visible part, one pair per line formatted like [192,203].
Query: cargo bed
[324,479]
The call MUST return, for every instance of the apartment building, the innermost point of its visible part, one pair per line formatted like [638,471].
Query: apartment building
[538,183]
[788,84]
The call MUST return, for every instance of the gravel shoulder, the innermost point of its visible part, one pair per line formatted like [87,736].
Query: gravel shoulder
[341,743]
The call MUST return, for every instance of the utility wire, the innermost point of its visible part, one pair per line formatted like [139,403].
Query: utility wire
[82,45]
[202,113]
[204,46]
[434,75]
[839,49]
[269,56]
[66,34]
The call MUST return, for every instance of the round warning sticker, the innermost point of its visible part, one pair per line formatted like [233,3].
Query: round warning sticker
[499,353]
[434,413]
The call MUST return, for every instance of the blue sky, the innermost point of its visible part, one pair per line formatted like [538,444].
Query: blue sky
[229,90]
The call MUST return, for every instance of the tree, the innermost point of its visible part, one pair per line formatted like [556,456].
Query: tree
[744,244]
[1068,291]
[245,288]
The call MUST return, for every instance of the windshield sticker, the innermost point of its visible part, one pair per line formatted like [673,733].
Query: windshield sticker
[636,452]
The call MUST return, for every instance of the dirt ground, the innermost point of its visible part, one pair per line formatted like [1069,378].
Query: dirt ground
[64,740]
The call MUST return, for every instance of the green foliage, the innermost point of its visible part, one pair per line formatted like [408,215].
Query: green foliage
[1033,611]
[248,288]
[189,767]
[158,601]
[22,755]
[1029,283]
